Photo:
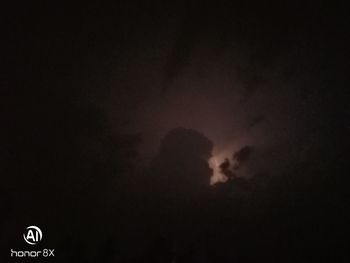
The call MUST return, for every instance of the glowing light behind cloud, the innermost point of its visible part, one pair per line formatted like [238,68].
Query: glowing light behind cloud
[207,96]
[215,161]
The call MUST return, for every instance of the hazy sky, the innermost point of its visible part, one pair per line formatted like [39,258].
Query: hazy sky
[111,111]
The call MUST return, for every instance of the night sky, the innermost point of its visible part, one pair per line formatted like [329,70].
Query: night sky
[197,131]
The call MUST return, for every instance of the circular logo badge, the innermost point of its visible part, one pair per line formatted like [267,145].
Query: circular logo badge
[33,235]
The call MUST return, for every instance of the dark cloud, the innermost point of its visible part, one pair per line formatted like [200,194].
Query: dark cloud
[225,169]
[256,121]
[181,166]
[185,43]
[251,79]
[242,155]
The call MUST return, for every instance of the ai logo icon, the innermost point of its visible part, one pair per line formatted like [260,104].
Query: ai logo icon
[33,235]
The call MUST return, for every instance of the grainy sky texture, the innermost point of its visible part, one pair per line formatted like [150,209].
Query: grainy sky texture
[192,131]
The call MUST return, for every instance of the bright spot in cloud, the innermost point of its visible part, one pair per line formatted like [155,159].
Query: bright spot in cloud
[215,161]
